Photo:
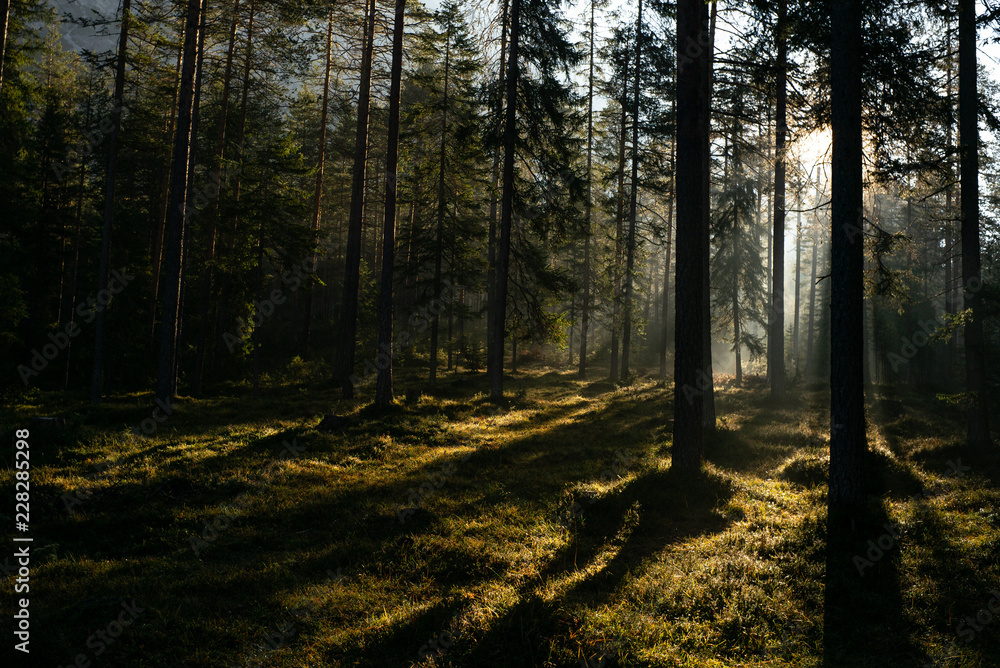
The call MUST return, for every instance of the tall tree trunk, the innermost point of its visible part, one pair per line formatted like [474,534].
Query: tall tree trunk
[665,294]
[968,128]
[616,315]
[318,197]
[588,206]
[69,312]
[451,311]
[229,268]
[950,303]
[737,341]
[257,317]
[810,363]
[383,385]
[164,199]
[442,207]
[634,200]
[848,440]
[664,333]
[101,324]
[204,317]
[189,200]
[708,396]
[491,269]
[349,311]
[693,96]
[165,376]
[507,206]
[572,323]
[5,8]
[776,316]
[798,284]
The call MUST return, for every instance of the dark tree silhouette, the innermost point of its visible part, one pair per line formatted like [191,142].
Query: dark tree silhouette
[978,432]
[101,323]
[352,261]
[383,388]
[693,104]
[848,441]
[166,374]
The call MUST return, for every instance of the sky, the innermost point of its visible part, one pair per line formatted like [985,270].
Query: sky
[78,38]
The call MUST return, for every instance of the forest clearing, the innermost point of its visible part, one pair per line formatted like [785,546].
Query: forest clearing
[449,530]
[516,333]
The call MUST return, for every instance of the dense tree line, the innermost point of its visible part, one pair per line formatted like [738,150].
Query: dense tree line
[238,190]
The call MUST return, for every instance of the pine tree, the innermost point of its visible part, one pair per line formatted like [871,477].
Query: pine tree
[978,431]
[693,96]
[166,375]
[383,391]
[848,439]
[110,177]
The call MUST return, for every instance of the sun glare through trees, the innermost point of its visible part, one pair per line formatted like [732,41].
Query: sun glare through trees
[505,333]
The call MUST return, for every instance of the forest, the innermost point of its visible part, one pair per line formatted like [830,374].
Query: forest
[501,333]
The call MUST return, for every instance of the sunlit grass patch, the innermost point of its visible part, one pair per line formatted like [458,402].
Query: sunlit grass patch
[535,533]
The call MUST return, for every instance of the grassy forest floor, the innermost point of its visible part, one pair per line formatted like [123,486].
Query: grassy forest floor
[453,533]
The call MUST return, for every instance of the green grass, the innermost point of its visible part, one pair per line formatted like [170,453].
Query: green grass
[546,533]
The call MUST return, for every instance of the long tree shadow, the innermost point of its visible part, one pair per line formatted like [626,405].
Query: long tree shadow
[963,586]
[637,522]
[863,600]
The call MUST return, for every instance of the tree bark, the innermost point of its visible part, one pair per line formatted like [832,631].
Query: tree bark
[318,197]
[189,196]
[978,426]
[708,394]
[588,207]
[204,317]
[798,284]
[491,269]
[848,441]
[619,238]
[441,208]
[383,385]
[664,334]
[776,321]
[507,205]
[693,95]
[634,201]
[5,8]
[101,321]
[349,311]
[178,214]
[810,363]
[164,199]
[237,189]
